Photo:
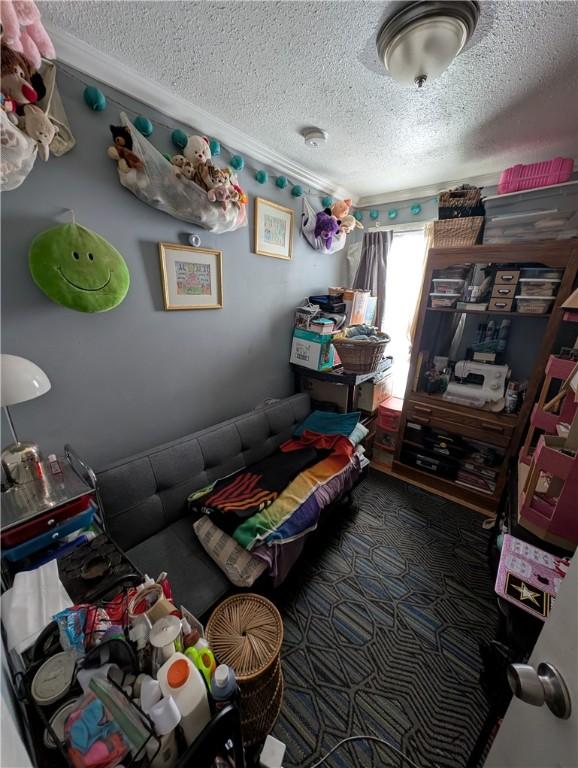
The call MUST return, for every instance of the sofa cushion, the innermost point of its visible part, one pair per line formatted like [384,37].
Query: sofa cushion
[144,494]
[197,582]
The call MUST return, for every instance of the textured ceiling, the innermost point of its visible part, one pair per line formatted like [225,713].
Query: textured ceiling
[271,68]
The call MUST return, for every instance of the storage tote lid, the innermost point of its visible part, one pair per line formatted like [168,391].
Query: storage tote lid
[394,404]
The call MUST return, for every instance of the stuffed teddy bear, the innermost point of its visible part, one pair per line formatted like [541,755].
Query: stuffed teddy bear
[340,208]
[122,150]
[237,195]
[349,223]
[326,227]
[221,195]
[197,150]
[183,167]
[16,78]
[39,127]
[210,177]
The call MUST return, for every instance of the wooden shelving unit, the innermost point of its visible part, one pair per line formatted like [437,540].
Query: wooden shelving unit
[502,431]
[495,313]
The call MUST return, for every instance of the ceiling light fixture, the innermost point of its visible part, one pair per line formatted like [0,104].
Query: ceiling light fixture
[419,42]
[314,137]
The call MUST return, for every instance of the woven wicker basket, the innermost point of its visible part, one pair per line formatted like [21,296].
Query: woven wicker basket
[360,356]
[245,632]
[460,198]
[453,233]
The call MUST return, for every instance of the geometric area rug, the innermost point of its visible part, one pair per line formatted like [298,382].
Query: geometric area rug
[383,616]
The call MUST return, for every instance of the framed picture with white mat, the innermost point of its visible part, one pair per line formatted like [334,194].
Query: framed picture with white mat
[273,229]
[192,278]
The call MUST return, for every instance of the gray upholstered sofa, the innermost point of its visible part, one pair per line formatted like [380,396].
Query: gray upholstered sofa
[144,496]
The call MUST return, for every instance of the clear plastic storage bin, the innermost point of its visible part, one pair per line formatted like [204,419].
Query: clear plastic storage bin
[448,285]
[533,286]
[547,213]
[533,305]
[444,300]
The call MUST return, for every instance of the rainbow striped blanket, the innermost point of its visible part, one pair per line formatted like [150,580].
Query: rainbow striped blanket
[296,509]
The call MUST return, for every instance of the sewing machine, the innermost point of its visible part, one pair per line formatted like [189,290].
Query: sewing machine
[477,384]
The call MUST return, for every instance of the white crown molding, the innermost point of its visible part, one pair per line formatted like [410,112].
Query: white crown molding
[487,180]
[106,69]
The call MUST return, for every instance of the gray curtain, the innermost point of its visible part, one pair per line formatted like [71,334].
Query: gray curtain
[372,269]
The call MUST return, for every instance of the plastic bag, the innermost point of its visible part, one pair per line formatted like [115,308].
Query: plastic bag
[308,218]
[18,154]
[158,186]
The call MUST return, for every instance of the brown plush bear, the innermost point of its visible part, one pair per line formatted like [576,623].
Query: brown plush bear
[209,177]
[183,167]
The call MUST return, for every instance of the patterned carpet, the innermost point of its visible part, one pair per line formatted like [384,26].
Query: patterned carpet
[382,625]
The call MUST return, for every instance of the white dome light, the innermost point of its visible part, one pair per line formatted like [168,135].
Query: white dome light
[421,41]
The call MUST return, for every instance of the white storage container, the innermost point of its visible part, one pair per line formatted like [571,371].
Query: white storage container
[443,300]
[533,305]
[448,285]
[546,213]
[179,678]
[541,273]
[532,286]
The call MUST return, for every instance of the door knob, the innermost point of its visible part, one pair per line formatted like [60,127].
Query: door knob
[545,686]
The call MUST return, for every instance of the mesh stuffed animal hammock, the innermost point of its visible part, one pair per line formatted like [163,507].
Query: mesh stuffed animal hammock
[308,219]
[18,152]
[158,186]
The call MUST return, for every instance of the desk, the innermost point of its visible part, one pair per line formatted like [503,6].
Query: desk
[22,503]
[339,376]
[39,514]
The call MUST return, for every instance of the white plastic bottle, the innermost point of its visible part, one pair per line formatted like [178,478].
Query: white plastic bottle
[179,678]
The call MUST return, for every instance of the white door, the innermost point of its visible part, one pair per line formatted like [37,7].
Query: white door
[531,736]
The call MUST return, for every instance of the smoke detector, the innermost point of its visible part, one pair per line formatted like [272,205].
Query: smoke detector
[419,42]
[314,137]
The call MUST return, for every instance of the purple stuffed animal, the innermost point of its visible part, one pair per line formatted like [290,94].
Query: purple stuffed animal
[326,227]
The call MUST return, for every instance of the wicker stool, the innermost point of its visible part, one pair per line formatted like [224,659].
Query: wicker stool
[245,632]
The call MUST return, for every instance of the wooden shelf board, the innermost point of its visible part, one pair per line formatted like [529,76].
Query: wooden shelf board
[483,503]
[423,397]
[456,311]
[385,468]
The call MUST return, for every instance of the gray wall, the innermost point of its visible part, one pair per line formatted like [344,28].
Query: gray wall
[130,378]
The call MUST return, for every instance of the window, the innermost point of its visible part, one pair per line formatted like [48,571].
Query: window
[405,263]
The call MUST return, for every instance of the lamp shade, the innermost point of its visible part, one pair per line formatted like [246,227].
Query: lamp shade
[22,380]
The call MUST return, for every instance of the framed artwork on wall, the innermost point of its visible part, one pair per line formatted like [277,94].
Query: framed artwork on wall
[192,277]
[273,229]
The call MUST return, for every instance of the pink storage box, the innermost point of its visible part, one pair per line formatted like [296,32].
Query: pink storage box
[533,175]
[389,414]
[529,577]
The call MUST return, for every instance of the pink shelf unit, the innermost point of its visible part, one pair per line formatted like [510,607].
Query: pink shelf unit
[558,369]
[551,513]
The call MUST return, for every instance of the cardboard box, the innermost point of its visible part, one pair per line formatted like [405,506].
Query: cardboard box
[355,306]
[371,393]
[326,392]
[311,350]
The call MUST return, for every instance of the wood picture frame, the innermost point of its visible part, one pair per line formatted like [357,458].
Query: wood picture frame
[273,229]
[192,278]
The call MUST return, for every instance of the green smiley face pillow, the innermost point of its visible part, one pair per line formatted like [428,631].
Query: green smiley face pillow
[79,269]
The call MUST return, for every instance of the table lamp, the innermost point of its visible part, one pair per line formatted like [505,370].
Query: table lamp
[21,380]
